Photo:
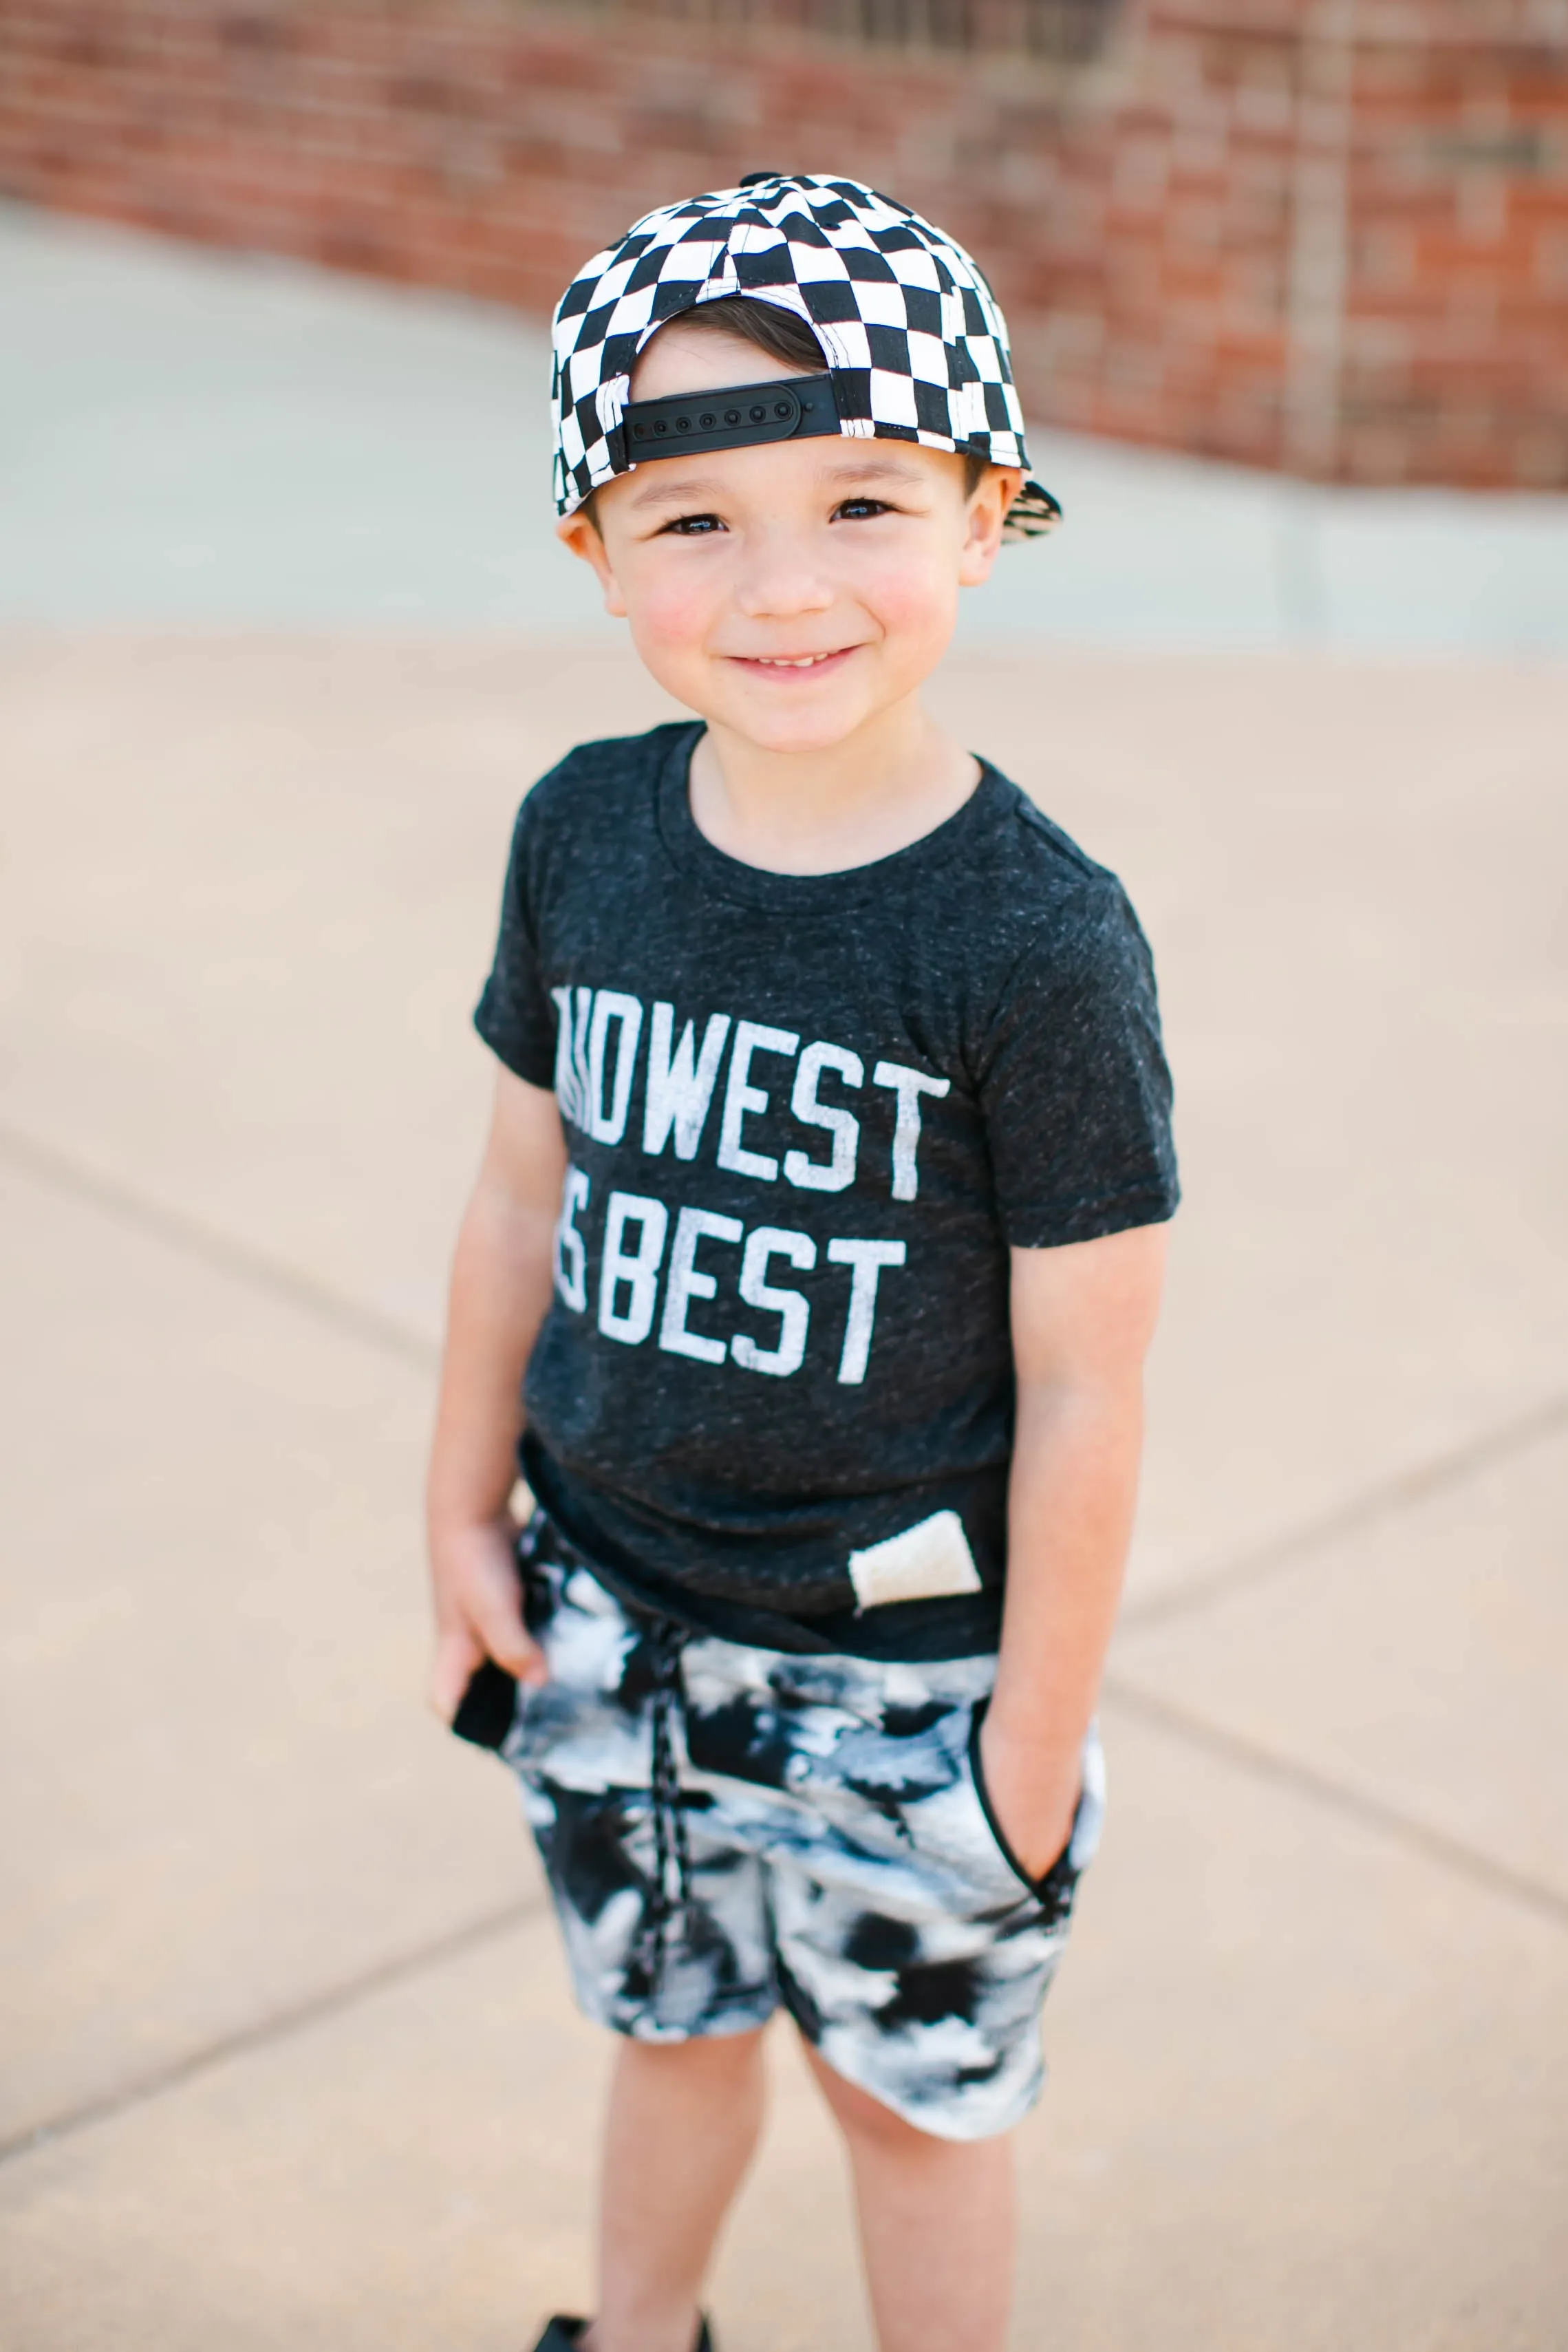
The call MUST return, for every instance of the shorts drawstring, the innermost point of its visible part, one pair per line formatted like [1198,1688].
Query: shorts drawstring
[672,1860]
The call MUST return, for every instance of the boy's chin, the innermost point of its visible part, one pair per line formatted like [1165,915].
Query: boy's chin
[821,724]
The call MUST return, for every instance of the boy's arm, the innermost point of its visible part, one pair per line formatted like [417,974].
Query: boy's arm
[501,1276]
[1082,1317]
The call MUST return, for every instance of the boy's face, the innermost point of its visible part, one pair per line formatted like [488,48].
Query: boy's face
[792,591]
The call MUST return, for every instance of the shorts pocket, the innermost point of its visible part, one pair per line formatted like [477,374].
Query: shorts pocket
[585,1723]
[1055,1888]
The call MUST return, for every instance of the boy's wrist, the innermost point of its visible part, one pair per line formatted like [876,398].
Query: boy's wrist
[449,1520]
[1043,1730]
[454,1539]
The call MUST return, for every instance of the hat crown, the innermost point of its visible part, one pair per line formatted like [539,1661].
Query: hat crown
[913,339]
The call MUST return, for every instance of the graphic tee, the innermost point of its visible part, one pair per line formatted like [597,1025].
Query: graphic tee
[807,1118]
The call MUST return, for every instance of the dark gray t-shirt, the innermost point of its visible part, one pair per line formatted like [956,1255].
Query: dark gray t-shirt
[807,1116]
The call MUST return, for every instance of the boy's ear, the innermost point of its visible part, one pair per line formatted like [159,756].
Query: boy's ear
[983,518]
[579,532]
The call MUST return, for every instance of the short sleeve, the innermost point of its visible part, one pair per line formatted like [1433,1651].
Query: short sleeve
[1074,1089]
[515,1016]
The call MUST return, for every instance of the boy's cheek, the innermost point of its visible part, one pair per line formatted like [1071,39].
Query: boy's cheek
[912,591]
[668,621]
[915,625]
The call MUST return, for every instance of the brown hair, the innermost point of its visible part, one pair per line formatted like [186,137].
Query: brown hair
[786,337]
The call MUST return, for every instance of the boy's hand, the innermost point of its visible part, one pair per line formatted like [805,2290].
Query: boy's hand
[1033,1793]
[478,1612]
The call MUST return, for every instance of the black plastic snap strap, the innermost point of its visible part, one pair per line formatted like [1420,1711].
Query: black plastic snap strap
[733,419]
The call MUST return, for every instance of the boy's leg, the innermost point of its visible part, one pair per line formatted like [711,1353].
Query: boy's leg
[682,2123]
[936,2222]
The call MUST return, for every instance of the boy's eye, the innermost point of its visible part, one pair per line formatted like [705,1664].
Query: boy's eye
[693,526]
[861,510]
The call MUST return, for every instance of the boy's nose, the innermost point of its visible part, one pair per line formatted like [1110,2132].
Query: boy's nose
[781,582]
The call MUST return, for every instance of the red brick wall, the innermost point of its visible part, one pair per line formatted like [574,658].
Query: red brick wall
[1456,335]
[1330,234]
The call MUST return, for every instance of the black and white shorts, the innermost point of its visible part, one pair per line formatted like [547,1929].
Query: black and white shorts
[729,1830]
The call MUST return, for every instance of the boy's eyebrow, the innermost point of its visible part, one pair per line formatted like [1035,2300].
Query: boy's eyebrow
[661,489]
[877,470]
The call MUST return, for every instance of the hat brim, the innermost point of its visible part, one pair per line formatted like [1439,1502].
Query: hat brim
[1033,513]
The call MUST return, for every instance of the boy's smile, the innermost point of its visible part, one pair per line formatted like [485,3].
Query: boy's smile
[792,664]
[796,593]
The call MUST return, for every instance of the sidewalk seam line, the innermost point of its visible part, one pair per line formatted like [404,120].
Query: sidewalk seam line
[1195,1591]
[1383,1499]
[233,1258]
[1354,1805]
[333,2001]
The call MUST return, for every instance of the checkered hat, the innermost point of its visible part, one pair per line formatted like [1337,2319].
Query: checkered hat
[915,344]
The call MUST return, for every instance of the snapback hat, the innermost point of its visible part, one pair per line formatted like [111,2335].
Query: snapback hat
[915,345]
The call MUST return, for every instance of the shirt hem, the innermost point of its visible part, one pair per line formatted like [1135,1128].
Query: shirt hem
[1128,1210]
[911,1633]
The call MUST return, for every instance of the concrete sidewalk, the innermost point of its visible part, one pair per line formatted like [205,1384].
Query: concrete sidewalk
[291,2059]
[191,437]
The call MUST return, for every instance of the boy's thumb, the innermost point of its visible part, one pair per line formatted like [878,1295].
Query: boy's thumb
[500,1629]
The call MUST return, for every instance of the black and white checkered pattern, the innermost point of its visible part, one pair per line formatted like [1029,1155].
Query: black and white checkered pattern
[915,344]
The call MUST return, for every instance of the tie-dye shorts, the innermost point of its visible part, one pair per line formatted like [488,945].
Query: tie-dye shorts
[729,1831]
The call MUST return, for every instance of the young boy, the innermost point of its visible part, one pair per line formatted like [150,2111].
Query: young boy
[822,1209]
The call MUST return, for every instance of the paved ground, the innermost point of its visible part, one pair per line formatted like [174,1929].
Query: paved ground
[188,436]
[290,2058]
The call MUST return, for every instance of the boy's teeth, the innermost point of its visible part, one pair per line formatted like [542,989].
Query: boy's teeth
[805,661]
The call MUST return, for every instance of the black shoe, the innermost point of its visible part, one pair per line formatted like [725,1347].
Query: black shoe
[562,2334]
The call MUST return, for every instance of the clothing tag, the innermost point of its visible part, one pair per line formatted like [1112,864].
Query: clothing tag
[924,1563]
